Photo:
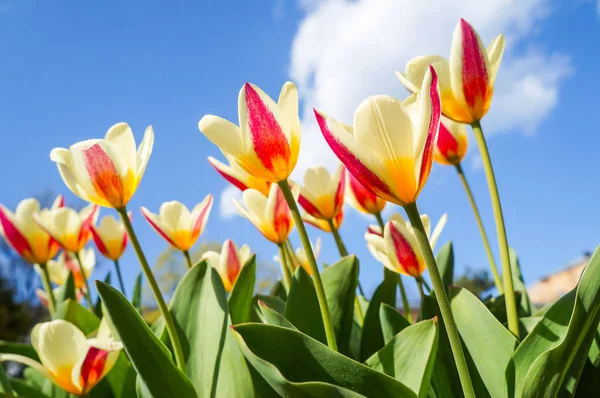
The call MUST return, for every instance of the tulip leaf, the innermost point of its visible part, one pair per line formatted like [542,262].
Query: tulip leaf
[525,306]
[98,305]
[273,317]
[240,299]
[445,262]
[339,282]
[372,335]
[278,290]
[71,311]
[67,290]
[392,322]
[553,352]
[23,389]
[296,365]
[5,385]
[121,378]
[274,302]
[136,298]
[149,356]
[410,356]
[27,350]
[302,306]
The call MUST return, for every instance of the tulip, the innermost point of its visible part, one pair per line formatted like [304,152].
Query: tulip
[45,299]
[300,258]
[451,145]
[72,361]
[19,230]
[71,229]
[322,224]
[239,177]
[66,263]
[228,262]
[390,150]
[270,215]
[110,237]
[267,141]
[322,195]
[361,198]
[467,81]
[105,171]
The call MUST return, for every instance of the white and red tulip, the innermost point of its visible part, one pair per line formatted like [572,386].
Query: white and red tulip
[110,237]
[69,227]
[239,177]
[303,260]
[361,198]
[228,262]
[323,225]
[451,145]
[322,195]
[66,262]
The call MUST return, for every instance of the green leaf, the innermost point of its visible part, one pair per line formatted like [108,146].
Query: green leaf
[25,390]
[72,311]
[497,306]
[98,305]
[136,298]
[445,262]
[121,378]
[5,385]
[9,347]
[545,357]
[296,365]
[240,299]
[372,336]
[524,304]
[339,283]
[273,317]
[274,302]
[302,306]
[278,290]
[150,358]
[392,322]
[410,356]
[67,290]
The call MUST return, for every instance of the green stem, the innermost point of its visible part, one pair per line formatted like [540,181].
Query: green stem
[188,259]
[388,274]
[88,296]
[440,293]
[420,285]
[179,358]
[48,288]
[287,277]
[291,256]
[486,242]
[312,262]
[509,293]
[427,288]
[118,268]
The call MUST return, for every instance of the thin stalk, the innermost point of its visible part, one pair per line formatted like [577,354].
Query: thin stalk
[486,242]
[312,262]
[509,293]
[287,277]
[291,256]
[342,248]
[425,285]
[188,259]
[48,288]
[88,296]
[118,268]
[179,358]
[420,285]
[389,274]
[440,293]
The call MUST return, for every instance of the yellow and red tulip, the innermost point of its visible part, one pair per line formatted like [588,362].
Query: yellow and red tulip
[361,198]
[303,260]
[42,295]
[323,225]
[71,229]
[105,171]
[467,81]
[110,237]
[322,195]
[228,262]
[20,231]
[239,177]
[177,225]
[72,361]
[269,214]
[66,262]
[451,145]
[267,141]
[398,248]
[390,149]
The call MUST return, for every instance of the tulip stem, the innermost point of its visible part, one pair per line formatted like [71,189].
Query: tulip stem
[179,357]
[342,249]
[118,268]
[425,285]
[420,285]
[440,293]
[312,262]
[291,257]
[188,259]
[388,274]
[509,293]
[48,288]
[88,296]
[486,243]
[287,276]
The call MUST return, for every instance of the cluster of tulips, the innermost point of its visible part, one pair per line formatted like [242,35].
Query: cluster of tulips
[316,334]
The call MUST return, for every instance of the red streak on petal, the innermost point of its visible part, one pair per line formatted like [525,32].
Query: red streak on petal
[99,243]
[14,236]
[339,194]
[200,220]
[404,252]
[233,262]
[309,207]
[364,197]
[104,176]
[434,124]
[374,231]
[282,217]
[86,226]
[231,179]
[158,229]
[474,71]
[446,143]
[269,141]
[337,220]
[92,367]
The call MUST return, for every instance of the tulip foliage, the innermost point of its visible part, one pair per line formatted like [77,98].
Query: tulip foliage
[316,334]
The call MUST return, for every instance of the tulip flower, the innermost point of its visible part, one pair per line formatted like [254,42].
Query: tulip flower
[19,230]
[72,361]
[270,215]
[361,198]
[59,269]
[71,229]
[467,80]
[44,299]
[322,224]
[451,145]
[237,176]
[105,171]
[110,237]
[228,262]
[322,195]
[390,149]
[300,259]
[267,141]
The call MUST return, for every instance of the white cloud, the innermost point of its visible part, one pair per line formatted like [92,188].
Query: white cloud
[227,208]
[347,50]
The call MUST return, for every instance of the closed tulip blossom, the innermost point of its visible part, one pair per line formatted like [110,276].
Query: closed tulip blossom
[361,198]
[301,259]
[69,227]
[66,263]
[451,145]
[466,80]
[228,262]
[68,358]
[105,171]
[322,194]
[267,141]
[110,237]
[239,177]
[25,236]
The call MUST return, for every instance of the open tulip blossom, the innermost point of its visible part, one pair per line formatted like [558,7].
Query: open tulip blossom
[69,227]
[228,262]
[322,194]
[239,177]
[110,237]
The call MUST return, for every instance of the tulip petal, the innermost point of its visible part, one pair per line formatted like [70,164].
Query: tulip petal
[13,236]
[288,105]
[63,159]
[230,261]
[402,249]
[228,173]
[199,215]
[158,226]
[494,52]
[143,152]
[223,134]
[438,230]
[122,139]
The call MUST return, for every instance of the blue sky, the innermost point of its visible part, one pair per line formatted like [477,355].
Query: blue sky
[72,69]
